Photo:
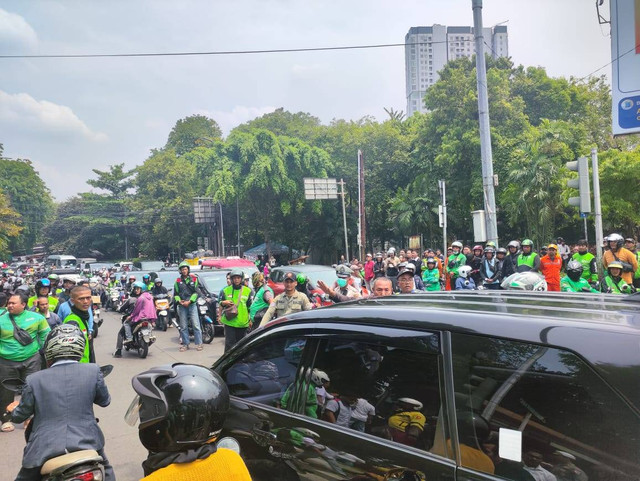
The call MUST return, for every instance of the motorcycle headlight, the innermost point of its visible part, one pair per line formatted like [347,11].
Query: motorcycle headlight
[201,301]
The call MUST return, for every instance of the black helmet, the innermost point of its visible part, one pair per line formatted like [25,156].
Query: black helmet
[179,406]
[65,341]
[574,270]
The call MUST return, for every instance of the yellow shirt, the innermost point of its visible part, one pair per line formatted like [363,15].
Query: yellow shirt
[402,420]
[223,465]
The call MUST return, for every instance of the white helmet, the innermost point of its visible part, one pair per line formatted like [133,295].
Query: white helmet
[391,251]
[318,377]
[464,271]
[415,404]
[456,244]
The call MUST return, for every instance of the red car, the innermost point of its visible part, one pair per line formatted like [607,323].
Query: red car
[313,272]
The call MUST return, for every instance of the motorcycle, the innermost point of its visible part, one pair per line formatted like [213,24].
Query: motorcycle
[85,464]
[97,320]
[162,306]
[206,323]
[113,299]
[142,337]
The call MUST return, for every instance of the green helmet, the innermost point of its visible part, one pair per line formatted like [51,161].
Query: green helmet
[301,278]
[184,264]
[527,242]
[53,277]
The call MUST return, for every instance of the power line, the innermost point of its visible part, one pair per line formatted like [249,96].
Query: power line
[224,52]
[609,63]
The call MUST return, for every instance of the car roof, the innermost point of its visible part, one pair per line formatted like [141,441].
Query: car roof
[603,309]
[304,268]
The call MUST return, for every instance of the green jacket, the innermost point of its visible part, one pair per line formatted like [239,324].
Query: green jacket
[636,274]
[32,322]
[75,319]
[53,302]
[258,301]
[621,287]
[589,266]
[231,294]
[431,279]
[186,289]
[567,285]
[455,262]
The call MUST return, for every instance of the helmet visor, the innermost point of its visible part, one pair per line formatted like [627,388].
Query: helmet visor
[132,416]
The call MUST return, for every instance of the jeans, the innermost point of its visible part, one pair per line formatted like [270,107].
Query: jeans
[33,474]
[16,369]
[186,315]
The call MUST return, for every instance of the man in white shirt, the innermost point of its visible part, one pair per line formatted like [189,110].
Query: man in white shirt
[361,415]
[532,460]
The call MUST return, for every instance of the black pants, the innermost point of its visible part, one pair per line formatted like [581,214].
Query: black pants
[16,370]
[232,335]
[33,474]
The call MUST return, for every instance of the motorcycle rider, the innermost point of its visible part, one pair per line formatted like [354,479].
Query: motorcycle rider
[126,309]
[148,283]
[129,285]
[55,283]
[79,316]
[511,259]
[158,289]
[144,310]
[378,266]
[185,292]
[573,281]
[43,289]
[184,449]
[302,285]
[528,260]
[431,275]
[391,266]
[61,400]
[456,260]
[631,246]
[464,281]
[588,261]
[614,283]
[618,253]
[264,296]
[476,262]
[490,270]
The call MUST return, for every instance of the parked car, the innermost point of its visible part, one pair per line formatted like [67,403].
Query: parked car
[313,272]
[477,385]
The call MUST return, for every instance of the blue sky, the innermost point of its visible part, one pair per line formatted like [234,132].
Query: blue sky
[71,115]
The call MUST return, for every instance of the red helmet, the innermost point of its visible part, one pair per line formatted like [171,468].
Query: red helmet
[477,247]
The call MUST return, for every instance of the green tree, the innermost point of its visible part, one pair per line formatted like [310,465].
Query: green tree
[10,227]
[116,180]
[300,125]
[29,196]
[191,132]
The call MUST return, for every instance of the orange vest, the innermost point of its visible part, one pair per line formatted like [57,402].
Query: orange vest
[550,269]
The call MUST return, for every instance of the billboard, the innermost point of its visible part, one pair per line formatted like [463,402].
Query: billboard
[316,189]
[625,56]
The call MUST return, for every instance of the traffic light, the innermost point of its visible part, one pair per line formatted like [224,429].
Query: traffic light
[581,183]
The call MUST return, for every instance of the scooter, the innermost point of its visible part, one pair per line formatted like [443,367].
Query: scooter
[113,300]
[97,320]
[143,337]
[206,323]
[162,305]
[79,465]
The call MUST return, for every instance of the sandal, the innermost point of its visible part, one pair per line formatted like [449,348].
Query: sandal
[183,348]
[199,347]
[7,427]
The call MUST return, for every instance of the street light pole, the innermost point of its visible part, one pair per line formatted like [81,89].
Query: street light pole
[485,128]
[344,218]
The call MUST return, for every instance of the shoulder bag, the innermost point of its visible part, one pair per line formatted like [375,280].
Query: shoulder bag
[19,334]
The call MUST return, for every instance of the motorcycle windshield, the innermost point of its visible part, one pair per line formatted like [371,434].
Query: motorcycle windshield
[132,416]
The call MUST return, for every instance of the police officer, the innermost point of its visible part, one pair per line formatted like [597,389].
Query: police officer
[290,301]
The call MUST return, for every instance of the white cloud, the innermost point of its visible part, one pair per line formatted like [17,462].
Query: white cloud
[22,111]
[16,35]
[238,115]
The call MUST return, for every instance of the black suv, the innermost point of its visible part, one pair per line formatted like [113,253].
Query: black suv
[442,386]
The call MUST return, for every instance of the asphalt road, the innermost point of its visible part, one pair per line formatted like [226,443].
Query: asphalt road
[122,445]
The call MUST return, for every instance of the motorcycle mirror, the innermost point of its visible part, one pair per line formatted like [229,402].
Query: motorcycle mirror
[229,443]
[106,369]
[13,384]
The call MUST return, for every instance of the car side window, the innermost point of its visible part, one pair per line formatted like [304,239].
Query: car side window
[373,387]
[263,373]
[535,413]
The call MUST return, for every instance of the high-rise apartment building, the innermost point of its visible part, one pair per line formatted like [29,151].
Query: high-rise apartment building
[428,49]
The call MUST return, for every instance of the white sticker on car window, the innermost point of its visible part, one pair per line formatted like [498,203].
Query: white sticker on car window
[510,444]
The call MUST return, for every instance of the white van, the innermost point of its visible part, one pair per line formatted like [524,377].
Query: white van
[61,262]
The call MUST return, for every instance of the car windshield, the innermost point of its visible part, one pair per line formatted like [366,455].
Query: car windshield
[213,281]
[326,275]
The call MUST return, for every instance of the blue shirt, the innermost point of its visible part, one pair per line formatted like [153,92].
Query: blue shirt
[64,310]
[460,284]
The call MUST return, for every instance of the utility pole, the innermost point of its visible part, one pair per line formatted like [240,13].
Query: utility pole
[485,129]
[597,207]
[443,214]
[238,222]
[344,218]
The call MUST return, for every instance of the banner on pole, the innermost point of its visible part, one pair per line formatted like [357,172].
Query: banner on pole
[625,62]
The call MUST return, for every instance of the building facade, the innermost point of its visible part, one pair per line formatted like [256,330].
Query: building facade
[428,49]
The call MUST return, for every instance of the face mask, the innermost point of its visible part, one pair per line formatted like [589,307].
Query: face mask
[342,282]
